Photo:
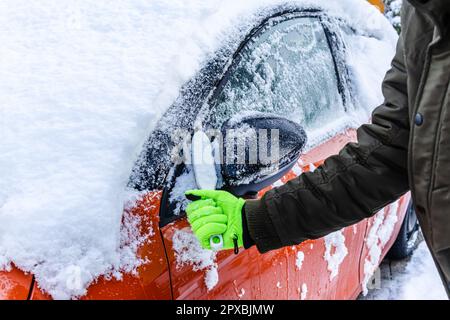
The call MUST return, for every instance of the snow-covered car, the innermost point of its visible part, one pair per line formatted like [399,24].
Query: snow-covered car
[317,63]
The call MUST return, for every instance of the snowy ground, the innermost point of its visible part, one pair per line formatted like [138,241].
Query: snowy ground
[415,278]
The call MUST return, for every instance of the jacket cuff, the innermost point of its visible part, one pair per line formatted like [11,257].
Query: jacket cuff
[247,239]
[260,226]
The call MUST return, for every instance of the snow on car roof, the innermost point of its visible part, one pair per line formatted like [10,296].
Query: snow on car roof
[83,84]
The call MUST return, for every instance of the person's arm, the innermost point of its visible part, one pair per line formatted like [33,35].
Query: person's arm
[362,179]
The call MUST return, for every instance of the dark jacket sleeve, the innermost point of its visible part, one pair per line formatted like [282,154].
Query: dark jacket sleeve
[351,186]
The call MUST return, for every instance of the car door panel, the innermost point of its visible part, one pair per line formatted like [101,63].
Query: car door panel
[237,274]
[276,270]
[278,274]
[312,280]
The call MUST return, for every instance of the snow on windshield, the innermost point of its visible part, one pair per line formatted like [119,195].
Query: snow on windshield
[83,84]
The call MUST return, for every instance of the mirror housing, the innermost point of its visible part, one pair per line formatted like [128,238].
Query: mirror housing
[246,166]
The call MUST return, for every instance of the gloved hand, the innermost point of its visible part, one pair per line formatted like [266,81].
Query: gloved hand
[216,213]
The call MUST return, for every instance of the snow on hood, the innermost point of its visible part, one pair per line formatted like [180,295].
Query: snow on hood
[82,85]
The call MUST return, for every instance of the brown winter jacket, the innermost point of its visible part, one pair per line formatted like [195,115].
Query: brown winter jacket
[407,147]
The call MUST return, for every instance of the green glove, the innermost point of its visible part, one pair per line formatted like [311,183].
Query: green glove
[217,213]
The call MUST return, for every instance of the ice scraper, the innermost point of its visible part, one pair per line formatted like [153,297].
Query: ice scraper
[204,168]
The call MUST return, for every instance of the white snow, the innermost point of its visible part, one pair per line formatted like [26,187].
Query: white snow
[184,182]
[297,169]
[299,260]
[335,252]
[211,278]
[304,292]
[393,10]
[82,85]
[422,280]
[385,232]
[278,183]
[188,251]
[203,161]
[379,234]
[418,280]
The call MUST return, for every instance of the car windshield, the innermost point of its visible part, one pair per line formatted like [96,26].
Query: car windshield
[286,70]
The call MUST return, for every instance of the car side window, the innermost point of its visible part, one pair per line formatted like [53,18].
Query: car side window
[287,69]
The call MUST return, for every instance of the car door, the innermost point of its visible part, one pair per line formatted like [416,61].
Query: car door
[290,69]
[325,268]
[287,68]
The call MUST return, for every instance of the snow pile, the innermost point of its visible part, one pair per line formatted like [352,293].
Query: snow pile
[83,85]
[188,251]
[379,234]
[335,252]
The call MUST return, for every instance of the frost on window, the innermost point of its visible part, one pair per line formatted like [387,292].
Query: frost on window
[287,70]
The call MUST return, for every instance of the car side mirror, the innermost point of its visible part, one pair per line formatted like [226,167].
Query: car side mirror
[257,151]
